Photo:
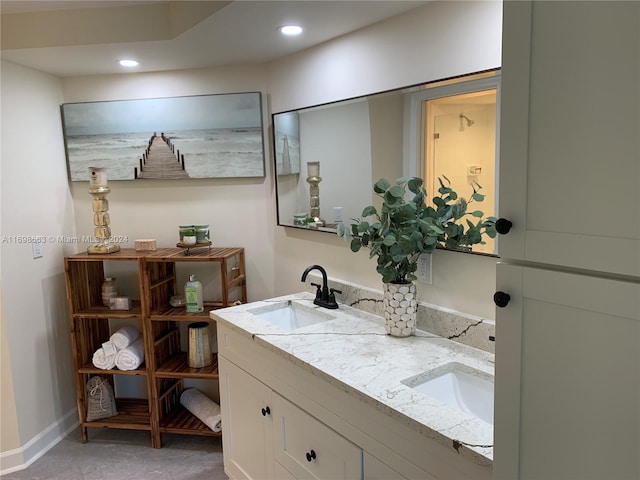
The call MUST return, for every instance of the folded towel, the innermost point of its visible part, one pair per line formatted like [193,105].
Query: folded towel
[102,360]
[131,357]
[205,409]
[125,337]
[109,348]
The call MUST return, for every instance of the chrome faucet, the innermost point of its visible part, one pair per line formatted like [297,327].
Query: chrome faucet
[325,296]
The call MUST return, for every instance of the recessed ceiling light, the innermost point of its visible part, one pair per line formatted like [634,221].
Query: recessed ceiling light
[129,63]
[291,30]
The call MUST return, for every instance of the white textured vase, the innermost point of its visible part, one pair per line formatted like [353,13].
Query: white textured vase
[400,307]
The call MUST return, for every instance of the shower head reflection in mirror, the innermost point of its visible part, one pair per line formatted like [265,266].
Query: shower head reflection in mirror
[469,121]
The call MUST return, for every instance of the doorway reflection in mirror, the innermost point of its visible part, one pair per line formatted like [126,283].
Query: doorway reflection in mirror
[460,141]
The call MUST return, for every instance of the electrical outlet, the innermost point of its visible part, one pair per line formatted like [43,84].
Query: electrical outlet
[337,214]
[36,247]
[424,268]
[474,170]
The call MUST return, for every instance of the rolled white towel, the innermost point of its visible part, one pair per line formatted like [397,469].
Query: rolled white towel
[125,337]
[131,357]
[109,348]
[202,407]
[102,360]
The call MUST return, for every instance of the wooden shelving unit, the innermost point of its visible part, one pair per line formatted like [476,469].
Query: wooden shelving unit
[165,367]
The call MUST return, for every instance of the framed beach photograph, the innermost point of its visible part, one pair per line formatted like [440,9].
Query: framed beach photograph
[202,136]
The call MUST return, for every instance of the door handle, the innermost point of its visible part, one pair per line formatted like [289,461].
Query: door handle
[501,299]
[503,226]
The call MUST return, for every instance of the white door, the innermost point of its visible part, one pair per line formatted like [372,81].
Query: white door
[570,408]
[570,134]
[246,423]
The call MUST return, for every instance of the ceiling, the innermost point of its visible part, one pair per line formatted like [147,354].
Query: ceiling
[78,37]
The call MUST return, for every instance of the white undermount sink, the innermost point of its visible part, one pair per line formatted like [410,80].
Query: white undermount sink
[291,315]
[458,386]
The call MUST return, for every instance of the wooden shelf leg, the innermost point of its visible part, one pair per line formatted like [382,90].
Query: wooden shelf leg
[156,439]
[83,434]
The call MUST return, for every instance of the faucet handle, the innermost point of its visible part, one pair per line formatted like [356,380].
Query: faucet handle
[332,296]
[318,289]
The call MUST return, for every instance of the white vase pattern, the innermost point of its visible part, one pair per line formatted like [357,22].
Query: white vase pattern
[400,307]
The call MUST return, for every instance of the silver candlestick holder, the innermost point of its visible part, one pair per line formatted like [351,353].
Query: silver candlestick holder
[99,190]
[314,179]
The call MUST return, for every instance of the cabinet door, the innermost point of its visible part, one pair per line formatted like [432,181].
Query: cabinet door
[281,473]
[309,449]
[567,377]
[246,423]
[374,469]
[570,134]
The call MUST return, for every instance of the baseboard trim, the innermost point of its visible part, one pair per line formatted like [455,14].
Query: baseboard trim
[20,458]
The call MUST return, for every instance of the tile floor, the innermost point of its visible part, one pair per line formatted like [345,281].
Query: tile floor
[127,455]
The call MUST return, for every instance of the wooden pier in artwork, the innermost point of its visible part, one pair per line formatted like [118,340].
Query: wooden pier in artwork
[160,160]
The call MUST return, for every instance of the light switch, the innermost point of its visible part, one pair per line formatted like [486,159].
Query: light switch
[337,214]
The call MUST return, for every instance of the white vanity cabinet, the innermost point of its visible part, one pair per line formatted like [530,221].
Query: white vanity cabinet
[284,420]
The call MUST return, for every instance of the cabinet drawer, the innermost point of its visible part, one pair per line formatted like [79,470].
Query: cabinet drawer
[308,448]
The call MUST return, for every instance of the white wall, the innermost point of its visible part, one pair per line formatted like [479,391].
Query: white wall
[344,154]
[439,40]
[239,211]
[35,201]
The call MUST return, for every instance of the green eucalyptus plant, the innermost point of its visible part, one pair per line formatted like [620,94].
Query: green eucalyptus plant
[405,228]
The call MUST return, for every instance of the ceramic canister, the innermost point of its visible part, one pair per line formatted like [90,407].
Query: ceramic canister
[202,233]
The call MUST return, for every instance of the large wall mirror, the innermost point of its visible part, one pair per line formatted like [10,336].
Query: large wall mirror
[327,157]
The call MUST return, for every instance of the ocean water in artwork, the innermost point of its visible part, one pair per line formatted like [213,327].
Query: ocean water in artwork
[221,152]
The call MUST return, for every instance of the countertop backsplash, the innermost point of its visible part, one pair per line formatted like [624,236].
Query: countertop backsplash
[459,327]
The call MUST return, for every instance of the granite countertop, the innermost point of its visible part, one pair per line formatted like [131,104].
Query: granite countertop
[371,365]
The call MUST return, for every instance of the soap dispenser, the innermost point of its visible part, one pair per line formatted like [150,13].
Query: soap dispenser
[193,295]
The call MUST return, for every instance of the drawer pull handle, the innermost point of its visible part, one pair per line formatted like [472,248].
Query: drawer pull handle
[266,411]
[311,455]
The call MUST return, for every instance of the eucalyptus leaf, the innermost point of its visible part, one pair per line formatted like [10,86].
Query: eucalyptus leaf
[397,191]
[381,185]
[414,184]
[369,211]
[389,240]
